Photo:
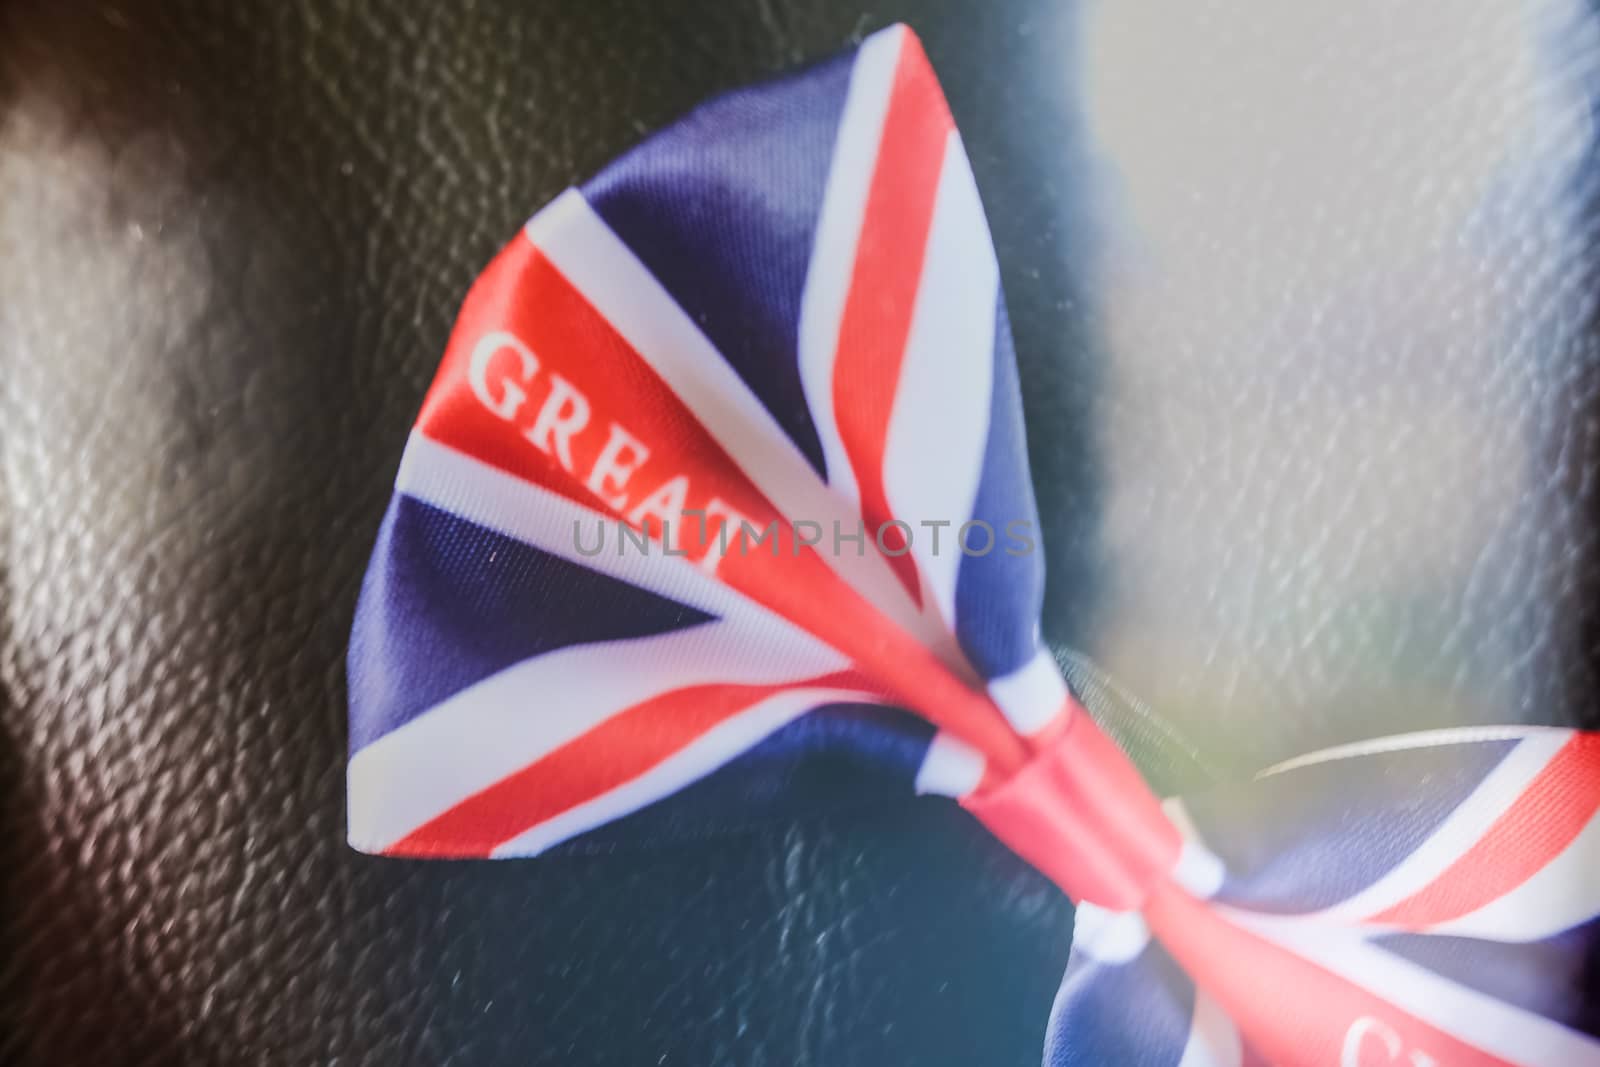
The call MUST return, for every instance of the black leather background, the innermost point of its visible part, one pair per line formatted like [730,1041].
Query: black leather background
[233,236]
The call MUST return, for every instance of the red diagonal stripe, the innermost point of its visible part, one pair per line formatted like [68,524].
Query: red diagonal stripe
[523,292]
[1535,829]
[883,287]
[1291,1010]
[617,751]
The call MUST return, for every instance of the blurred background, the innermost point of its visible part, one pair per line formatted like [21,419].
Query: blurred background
[1304,302]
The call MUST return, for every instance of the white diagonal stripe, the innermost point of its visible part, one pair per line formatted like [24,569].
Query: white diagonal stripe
[1198,871]
[706,753]
[1213,1037]
[833,257]
[950,768]
[1443,738]
[1033,695]
[1107,936]
[939,424]
[484,495]
[508,720]
[623,290]
[1460,830]
[1562,894]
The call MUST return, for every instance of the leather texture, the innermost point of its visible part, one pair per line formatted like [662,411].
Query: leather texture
[1304,312]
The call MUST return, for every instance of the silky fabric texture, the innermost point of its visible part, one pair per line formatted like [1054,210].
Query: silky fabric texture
[522,672]
[842,360]
[252,224]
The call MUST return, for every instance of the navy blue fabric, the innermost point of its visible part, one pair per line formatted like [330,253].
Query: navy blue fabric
[722,208]
[830,759]
[999,596]
[1136,1013]
[1554,978]
[447,603]
[1309,838]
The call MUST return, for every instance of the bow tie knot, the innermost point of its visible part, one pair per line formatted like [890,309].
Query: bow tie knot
[1080,812]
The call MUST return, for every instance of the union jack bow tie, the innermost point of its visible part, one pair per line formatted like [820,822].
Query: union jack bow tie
[723,474]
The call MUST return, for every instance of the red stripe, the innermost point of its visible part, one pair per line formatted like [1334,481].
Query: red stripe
[1292,1011]
[615,752]
[1538,827]
[1081,814]
[523,293]
[883,288]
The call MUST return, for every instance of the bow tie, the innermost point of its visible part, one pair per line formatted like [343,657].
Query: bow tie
[723,474]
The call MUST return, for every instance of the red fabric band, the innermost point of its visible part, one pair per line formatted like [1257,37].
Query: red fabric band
[1080,812]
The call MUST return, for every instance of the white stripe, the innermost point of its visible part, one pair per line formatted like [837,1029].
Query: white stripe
[833,257]
[939,425]
[711,750]
[1460,830]
[506,721]
[1177,813]
[1475,1018]
[1198,870]
[1031,696]
[950,768]
[1563,894]
[1107,936]
[1213,1038]
[623,290]
[1455,735]
[486,496]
